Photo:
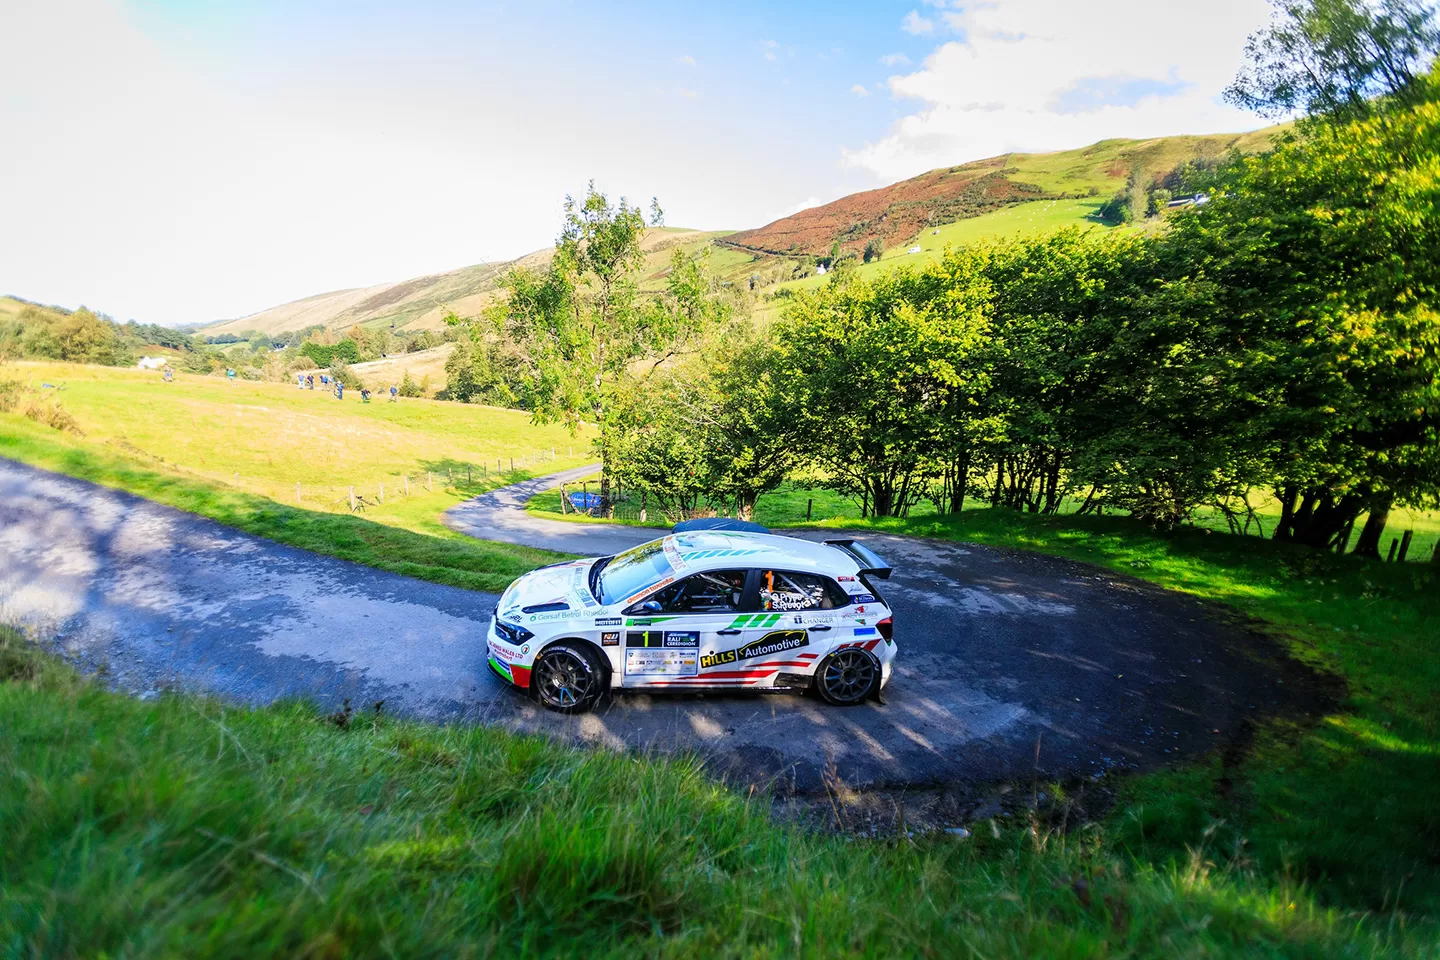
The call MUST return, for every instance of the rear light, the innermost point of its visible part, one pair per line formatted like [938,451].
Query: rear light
[886,627]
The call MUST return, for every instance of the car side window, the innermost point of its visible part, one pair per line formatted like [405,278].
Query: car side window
[783,590]
[716,591]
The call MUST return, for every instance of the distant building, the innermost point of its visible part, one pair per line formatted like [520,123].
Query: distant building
[152,363]
[1196,200]
[819,269]
[914,249]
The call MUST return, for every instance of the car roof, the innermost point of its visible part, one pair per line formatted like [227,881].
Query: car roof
[729,549]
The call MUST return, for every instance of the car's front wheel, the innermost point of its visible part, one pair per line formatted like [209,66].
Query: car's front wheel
[567,677]
[847,677]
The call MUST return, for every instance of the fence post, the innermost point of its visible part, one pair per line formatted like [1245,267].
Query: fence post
[1394,545]
[467,475]
[563,498]
[1405,545]
[484,471]
[809,505]
[430,480]
[382,493]
[407,484]
[552,454]
[644,502]
[297,491]
[512,464]
[352,499]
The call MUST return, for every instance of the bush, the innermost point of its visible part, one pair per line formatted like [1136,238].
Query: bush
[408,386]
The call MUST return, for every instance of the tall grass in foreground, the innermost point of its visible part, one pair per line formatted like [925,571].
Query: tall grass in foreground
[180,827]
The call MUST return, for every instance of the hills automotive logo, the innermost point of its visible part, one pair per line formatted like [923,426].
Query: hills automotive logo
[772,643]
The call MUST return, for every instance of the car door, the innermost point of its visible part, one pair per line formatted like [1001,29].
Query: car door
[666,632]
[794,624]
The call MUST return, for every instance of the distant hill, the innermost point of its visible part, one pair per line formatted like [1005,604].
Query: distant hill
[981,196]
[898,213]
[421,303]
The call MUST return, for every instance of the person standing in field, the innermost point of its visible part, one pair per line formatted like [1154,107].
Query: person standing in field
[310,381]
[364,394]
[394,390]
[230,375]
[169,373]
[339,390]
[299,381]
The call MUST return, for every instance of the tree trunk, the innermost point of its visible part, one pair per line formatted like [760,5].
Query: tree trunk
[1369,543]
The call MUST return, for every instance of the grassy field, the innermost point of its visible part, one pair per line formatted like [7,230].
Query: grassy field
[422,365]
[235,452]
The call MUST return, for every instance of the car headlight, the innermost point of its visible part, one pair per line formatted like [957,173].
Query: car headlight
[511,633]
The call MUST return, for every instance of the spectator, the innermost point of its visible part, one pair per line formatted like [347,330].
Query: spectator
[339,390]
[394,391]
[364,394]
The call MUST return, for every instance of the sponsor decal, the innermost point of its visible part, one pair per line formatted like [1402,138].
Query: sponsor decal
[861,598]
[502,668]
[580,587]
[610,638]
[777,641]
[718,659]
[846,579]
[864,631]
[672,553]
[661,662]
[663,581]
[804,618]
[645,621]
[608,621]
[525,649]
[557,615]
[682,638]
[504,652]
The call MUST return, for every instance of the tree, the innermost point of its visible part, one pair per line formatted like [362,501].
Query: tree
[1321,257]
[874,371]
[408,386]
[1333,57]
[874,250]
[581,324]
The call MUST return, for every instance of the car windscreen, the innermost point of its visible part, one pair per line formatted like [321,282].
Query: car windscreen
[634,571]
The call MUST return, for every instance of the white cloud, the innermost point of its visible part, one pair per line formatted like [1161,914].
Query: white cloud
[859,90]
[895,60]
[687,92]
[1032,75]
[916,24]
[769,55]
[687,60]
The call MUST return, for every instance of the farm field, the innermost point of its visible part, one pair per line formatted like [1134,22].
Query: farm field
[235,452]
[421,365]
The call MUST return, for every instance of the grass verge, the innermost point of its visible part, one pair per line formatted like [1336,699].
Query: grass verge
[178,827]
[406,536]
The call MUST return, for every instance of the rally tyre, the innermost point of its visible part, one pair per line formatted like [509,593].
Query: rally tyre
[567,678]
[847,677]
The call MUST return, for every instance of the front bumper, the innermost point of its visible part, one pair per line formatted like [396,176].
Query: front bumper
[496,656]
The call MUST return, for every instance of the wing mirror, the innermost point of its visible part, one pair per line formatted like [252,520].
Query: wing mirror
[651,606]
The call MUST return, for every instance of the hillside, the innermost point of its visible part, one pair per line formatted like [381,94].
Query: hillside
[421,303]
[898,213]
[982,195]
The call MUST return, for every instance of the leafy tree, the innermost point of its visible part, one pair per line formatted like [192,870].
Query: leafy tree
[1333,57]
[1321,258]
[408,386]
[874,250]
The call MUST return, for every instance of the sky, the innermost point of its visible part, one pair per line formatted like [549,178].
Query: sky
[184,162]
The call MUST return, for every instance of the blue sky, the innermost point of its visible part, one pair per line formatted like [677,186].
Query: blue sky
[180,162]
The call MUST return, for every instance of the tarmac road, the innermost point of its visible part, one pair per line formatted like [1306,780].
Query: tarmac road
[1012,665]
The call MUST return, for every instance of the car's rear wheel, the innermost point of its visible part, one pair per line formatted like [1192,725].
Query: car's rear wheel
[847,677]
[567,677]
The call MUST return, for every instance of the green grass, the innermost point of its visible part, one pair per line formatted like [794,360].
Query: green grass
[181,827]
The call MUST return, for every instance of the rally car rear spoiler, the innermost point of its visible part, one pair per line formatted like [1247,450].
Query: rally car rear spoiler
[869,561]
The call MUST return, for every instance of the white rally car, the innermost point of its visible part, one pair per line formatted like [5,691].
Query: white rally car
[700,610]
